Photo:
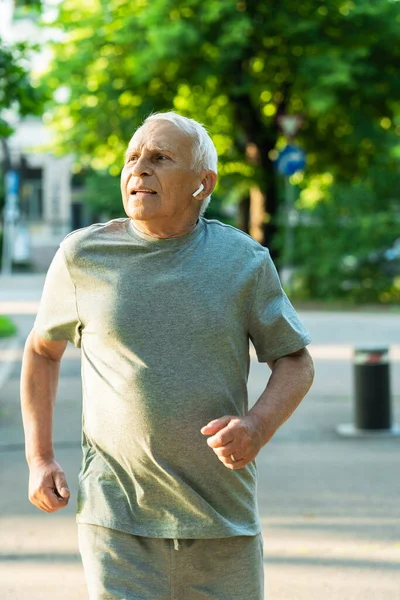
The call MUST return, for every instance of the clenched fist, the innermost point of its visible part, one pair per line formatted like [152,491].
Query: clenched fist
[48,488]
[235,440]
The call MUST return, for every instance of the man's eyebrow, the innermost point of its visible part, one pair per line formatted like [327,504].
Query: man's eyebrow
[161,149]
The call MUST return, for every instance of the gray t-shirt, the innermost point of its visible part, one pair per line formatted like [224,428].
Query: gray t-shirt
[164,327]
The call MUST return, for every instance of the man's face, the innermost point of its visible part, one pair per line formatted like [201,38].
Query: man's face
[157,181]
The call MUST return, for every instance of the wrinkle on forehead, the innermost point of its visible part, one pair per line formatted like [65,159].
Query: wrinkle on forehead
[151,148]
[156,140]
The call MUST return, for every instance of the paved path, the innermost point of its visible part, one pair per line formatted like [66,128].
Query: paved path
[329,506]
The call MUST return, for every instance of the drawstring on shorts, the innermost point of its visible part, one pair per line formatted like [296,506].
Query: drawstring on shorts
[176,544]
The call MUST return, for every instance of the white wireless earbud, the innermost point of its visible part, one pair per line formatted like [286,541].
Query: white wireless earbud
[197,192]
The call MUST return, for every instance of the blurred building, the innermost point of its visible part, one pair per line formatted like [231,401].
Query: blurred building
[45,195]
[47,210]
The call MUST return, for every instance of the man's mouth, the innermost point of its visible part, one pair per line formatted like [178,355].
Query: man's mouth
[141,191]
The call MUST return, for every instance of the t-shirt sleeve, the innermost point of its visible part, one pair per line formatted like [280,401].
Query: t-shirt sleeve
[57,318]
[274,327]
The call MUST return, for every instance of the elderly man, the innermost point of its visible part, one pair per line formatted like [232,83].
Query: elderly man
[163,304]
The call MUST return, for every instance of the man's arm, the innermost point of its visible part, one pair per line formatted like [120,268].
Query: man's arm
[243,437]
[48,489]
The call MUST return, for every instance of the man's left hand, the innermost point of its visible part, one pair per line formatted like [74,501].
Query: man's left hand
[235,440]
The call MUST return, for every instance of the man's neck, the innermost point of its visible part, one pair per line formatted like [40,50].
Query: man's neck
[164,230]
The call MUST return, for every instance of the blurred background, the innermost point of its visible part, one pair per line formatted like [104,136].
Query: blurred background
[302,100]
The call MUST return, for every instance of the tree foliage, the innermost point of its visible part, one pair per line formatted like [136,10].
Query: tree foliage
[234,67]
[16,90]
[342,248]
[18,96]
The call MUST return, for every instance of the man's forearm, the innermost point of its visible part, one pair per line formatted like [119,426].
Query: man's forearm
[39,380]
[290,380]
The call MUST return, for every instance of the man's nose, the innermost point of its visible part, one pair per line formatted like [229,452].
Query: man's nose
[141,167]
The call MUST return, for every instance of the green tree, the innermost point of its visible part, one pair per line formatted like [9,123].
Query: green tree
[17,94]
[235,67]
[342,247]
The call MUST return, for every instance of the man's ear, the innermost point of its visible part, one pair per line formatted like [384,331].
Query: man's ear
[209,181]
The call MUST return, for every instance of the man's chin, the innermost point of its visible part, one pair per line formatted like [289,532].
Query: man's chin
[136,216]
[136,212]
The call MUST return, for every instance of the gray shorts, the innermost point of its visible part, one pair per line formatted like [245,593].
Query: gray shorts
[120,566]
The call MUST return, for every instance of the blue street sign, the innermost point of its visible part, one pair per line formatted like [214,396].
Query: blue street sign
[290,160]
[12,183]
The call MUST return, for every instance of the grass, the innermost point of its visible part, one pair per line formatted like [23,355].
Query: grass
[341,306]
[7,327]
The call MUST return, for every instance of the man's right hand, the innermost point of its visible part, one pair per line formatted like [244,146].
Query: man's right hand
[48,488]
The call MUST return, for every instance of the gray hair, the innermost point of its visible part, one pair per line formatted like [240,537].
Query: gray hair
[204,153]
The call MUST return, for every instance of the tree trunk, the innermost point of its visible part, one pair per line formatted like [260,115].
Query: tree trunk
[264,198]
[270,224]
[6,159]
[5,166]
[244,214]
[257,214]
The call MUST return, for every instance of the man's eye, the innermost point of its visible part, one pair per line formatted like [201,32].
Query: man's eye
[132,157]
[162,157]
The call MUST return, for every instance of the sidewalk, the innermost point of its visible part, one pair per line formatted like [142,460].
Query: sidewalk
[39,557]
[329,506]
[19,295]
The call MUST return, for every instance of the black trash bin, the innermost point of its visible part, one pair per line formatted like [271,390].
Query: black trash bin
[372,388]
[372,397]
